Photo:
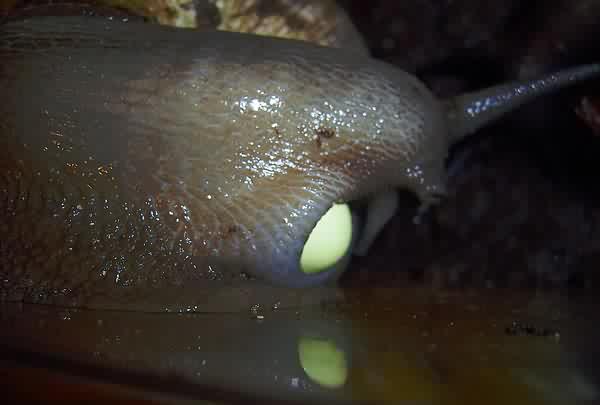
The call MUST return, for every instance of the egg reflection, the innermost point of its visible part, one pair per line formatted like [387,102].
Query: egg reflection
[323,362]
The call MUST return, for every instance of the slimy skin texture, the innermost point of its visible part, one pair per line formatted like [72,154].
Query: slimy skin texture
[171,157]
[144,161]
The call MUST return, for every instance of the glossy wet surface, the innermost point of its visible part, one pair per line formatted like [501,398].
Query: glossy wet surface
[377,345]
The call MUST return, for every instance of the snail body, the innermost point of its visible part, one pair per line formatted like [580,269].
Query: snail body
[139,158]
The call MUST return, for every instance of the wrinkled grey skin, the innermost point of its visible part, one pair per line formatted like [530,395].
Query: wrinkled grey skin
[147,164]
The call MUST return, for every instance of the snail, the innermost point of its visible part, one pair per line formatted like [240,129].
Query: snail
[144,160]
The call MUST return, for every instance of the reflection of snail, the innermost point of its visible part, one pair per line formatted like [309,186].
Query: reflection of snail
[145,160]
[181,355]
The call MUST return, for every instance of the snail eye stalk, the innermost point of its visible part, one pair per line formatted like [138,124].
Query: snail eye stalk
[329,241]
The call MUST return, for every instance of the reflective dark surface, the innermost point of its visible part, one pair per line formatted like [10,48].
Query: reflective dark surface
[375,345]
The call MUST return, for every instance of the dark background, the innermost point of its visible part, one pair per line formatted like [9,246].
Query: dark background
[524,201]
